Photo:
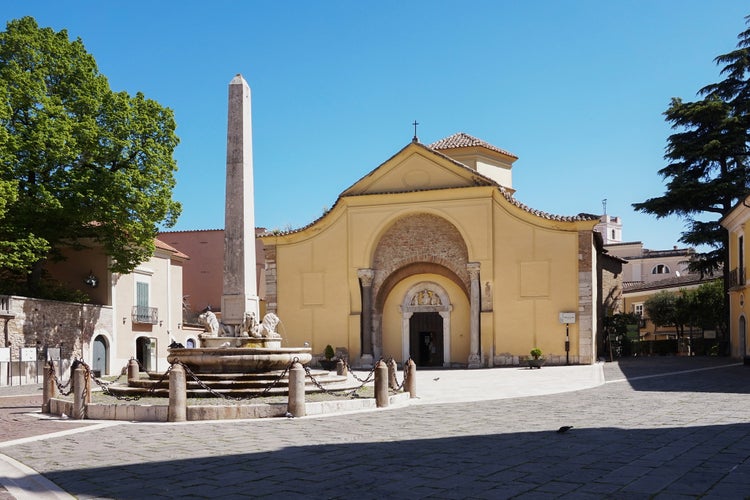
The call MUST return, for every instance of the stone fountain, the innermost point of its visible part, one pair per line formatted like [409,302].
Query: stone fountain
[257,348]
[238,355]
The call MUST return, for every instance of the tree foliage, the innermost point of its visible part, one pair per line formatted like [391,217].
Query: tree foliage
[80,164]
[707,171]
[660,309]
[702,308]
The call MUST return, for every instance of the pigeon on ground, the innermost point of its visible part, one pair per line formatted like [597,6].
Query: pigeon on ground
[289,415]
[436,379]
[564,428]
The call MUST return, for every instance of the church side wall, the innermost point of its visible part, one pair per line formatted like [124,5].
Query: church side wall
[312,293]
[536,278]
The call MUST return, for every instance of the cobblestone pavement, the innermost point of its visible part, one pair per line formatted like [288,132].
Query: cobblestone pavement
[640,435]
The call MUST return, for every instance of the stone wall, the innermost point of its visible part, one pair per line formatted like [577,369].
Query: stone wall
[49,324]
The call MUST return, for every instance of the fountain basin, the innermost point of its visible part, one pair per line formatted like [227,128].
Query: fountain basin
[221,342]
[239,359]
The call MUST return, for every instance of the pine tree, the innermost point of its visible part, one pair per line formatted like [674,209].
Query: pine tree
[707,171]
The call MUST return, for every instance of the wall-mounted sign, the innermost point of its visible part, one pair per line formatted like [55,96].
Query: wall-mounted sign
[4,354]
[53,354]
[28,354]
[567,317]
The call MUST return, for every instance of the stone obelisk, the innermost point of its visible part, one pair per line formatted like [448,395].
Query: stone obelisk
[240,291]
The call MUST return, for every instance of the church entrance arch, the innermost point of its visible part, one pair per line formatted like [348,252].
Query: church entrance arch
[425,331]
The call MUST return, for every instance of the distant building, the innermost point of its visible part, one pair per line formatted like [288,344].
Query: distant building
[735,222]
[135,315]
[648,266]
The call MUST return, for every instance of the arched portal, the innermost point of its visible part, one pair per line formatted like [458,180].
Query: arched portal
[426,325]
[417,244]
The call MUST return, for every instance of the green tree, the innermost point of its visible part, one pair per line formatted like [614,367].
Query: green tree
[660,308]
[710,307]
[79,163]
[707,171]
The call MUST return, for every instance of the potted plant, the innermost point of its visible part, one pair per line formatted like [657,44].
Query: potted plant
[329,360]
[536,360]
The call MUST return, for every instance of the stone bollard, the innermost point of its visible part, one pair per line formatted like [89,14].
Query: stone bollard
[133,369]
[49,387]
[410,378]
[392,369]
[177,411]
[381,385]
[295,406]
[341,368]
[79,393]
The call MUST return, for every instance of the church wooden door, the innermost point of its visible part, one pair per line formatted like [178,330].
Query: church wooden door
[426,339]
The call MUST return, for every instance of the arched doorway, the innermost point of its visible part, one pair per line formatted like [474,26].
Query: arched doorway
[425,331]
[426,339]
[100,355]
[145,353]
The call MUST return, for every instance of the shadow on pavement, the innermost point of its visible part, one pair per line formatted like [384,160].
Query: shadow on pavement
[597,462]
[680,374]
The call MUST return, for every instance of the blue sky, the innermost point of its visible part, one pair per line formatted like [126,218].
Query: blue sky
[576,89]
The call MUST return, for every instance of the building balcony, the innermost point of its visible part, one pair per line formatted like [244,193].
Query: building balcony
[145,315]
[737,277]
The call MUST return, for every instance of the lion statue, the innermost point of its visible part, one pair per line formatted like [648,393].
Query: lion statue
[210,324]
[267,328]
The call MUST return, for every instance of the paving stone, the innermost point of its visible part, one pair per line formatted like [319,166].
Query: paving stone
[675,436]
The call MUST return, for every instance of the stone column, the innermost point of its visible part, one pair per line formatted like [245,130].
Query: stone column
[240,289]
[475,359]
[365,278]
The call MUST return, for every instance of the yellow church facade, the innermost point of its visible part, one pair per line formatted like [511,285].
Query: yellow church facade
[430,257]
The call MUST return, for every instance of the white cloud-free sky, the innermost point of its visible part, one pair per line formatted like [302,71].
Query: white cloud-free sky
[576,89]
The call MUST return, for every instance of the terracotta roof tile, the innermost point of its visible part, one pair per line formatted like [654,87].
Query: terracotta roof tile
[165,246]
[463,140]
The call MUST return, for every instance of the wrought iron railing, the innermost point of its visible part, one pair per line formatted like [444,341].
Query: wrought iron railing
[147,315]
[737,277]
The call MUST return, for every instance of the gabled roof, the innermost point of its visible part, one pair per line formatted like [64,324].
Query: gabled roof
[455,174]
[463,140]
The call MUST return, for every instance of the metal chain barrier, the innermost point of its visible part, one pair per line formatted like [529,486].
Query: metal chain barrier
[104,385]
[61,387]
[350,393]
[370,376]
[217,394]
[403,381]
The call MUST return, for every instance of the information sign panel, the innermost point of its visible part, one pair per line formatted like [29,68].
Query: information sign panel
[28,354]
[567,317]
[4,354]
[53,354]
